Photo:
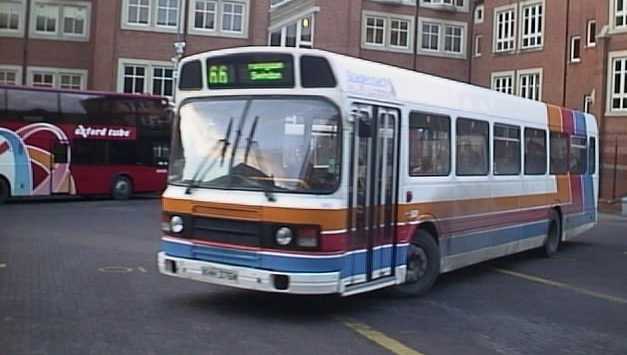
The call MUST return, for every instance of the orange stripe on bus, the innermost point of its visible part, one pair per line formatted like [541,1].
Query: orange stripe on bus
[555,117]
[327,219]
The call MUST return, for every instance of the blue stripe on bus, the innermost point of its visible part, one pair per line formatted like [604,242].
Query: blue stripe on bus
[481,240]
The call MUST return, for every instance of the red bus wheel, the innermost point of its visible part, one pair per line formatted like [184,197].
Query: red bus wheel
[122,188]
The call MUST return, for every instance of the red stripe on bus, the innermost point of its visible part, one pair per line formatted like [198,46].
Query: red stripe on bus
[4,147]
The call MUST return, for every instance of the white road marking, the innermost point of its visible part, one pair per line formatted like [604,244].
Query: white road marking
[116,269]
[141,269]
[2,266]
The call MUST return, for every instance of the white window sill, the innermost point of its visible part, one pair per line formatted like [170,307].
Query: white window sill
[58,36]
[441,54]
[12,33]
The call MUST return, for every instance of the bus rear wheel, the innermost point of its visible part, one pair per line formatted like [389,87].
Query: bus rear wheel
[553,236]
[423,265]
[122,188]
[5,191]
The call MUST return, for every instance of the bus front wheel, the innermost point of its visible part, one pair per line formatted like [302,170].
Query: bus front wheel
[122,188]
[423,265]
[5,191]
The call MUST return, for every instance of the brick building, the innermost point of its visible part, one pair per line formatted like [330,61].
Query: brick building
[568,52]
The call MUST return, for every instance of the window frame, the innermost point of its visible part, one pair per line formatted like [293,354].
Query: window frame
[493,145]
[545,135]
[56,73]
[529,72]
[477,50]
[17,69]
[495,76]
[480,9]
[178,10]
[59,33]
[487,152]
[244,15]
[521,25]
[442,26]
[513,8]
[442,4]
[192,15]
[591,34]
[149,66]
[282,29]
[217,31]
[614,14]
[575,59]
[20,6]
[387,45]
[450,144]
[622,97]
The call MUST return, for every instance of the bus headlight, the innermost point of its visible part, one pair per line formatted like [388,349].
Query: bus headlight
[284,236]
[176,224]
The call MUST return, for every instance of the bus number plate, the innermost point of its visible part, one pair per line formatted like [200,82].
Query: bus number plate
[221,274]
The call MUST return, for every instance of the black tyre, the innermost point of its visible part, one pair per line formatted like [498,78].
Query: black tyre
[5,191]
[423,265]
[553,235]
[122,188]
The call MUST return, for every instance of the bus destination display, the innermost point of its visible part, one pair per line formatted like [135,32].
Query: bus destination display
[250,71]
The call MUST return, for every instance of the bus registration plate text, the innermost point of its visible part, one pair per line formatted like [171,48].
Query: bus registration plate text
[218,273]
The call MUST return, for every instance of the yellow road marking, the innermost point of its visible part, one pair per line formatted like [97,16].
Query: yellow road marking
[563,285]
[381,339]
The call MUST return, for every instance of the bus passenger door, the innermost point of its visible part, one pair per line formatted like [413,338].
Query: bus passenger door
[373,193]
[60,181]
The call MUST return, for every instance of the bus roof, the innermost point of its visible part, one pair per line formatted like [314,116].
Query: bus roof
[371,80]
[88,92]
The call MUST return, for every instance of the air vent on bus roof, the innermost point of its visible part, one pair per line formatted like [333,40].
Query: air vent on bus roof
[191,76]
[315,72]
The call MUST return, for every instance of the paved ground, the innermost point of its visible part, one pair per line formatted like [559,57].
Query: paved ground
[80,278]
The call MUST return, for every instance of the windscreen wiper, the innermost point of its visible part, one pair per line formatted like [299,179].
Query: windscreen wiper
[249,143]
[197,177]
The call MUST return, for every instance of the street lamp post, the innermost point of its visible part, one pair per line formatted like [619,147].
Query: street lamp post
[179,50]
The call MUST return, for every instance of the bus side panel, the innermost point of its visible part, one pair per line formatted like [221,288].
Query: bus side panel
[99,180]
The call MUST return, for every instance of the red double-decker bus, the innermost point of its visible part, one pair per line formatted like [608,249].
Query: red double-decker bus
[81,143]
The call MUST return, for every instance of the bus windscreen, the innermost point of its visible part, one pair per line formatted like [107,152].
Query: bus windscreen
[260,70]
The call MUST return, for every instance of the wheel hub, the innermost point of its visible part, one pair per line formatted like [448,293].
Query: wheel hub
[417,262]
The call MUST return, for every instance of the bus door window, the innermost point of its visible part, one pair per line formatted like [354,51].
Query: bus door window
[60,153]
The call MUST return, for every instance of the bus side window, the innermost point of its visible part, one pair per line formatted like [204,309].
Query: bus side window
[592,156]
[32,106]
[473,147]
[3,105]
[506,149]
[578,155]
[535,151]
[559,153]
[429,144]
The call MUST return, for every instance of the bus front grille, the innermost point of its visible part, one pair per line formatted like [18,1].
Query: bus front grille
[227,231]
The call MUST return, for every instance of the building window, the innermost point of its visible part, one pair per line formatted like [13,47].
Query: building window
[456,3]
[532,26]
[453,36]
[61,21]
[141,77]
[9,76]
[10,17]
[478,42]
[138,12]
[505,30]
[591,33]
[71,81]
[167,13]
[575,49]
[430,36]
[232,17]
[162,81]
[46,17]
[503,83]
[587,104]
[74,19]
[134,79]
[375,31]
[297,34]
[619,84]
[399,33]
[529,85]
[479,13]
[275,3]
[620,13]
[44,80]
[205,15]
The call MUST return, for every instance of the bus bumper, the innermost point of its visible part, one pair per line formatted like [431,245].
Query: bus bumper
[249,278]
